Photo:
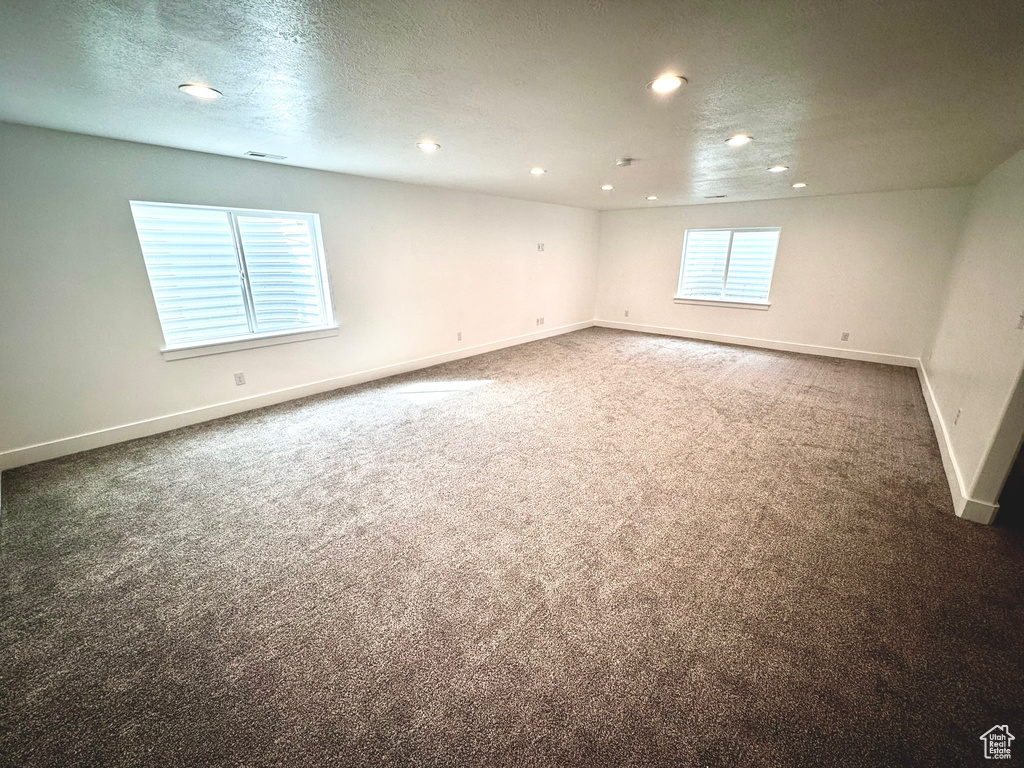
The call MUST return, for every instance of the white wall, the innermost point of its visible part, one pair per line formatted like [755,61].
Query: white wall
[410,266]
[976,361]
[874,265]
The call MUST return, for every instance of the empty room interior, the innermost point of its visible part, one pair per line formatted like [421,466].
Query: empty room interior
[511,383]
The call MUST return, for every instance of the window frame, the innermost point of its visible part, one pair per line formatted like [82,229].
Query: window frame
[723,300]
[253,339]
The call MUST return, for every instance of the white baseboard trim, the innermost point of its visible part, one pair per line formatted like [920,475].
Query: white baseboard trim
[30,454]
[964,506]
[783,346]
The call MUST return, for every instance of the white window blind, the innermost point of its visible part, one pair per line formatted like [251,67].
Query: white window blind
[733,265]
[226,275]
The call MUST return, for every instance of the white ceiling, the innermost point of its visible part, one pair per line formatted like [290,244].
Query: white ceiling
[853,95]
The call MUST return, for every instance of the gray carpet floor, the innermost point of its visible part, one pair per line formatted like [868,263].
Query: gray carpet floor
[604,548]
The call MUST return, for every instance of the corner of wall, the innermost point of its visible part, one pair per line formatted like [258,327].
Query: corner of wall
[963,505]
[1004,445]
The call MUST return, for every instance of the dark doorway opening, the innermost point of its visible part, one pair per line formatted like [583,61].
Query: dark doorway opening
[1011,500]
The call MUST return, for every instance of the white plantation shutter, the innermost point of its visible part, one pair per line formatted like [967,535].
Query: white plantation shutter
[220,275]
[283,267]
[193,269]
[751,262]
[704,260]
[733,265]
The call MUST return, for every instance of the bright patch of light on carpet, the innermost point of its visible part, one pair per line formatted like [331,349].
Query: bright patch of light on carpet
[429,391]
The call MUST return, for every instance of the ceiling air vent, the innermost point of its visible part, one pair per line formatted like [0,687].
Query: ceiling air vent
[264,155]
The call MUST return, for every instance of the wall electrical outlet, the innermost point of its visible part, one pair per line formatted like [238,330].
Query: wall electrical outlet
[957,418]
[239,379]
[540,321]
[846,337]
[627,313]
[540,246]
[460,336]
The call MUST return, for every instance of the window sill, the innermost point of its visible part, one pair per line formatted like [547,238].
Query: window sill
[246,342]
[761,305]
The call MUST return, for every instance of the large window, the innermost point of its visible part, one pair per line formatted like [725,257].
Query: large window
[732,266]
[223,275]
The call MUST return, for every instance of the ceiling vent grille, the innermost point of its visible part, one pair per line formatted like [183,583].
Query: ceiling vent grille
[264,155]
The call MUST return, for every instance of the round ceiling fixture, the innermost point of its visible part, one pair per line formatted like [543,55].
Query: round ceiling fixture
[652,197]
[204,92]
[778,168]
[667,83]
[607,187]
[537,171]
[739,140]
[799,185]
[428,146]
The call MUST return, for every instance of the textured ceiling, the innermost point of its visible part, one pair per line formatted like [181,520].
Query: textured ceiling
[853,95]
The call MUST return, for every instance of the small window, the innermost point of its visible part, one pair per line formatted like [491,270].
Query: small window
[227,275]
[728,265]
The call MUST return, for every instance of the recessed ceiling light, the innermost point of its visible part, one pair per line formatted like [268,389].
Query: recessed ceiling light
[537,171]
[607,187]
[200,91]
[739,140]
[667,83]
[652,197]
[799,185]
[428,146]
[778,168]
